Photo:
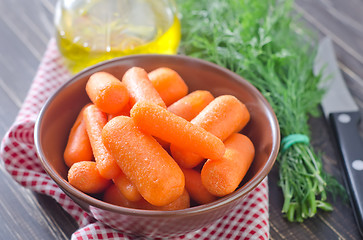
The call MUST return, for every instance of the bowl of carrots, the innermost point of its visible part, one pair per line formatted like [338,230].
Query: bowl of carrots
[157,145]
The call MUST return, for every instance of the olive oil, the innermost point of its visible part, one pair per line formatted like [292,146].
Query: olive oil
[87,35]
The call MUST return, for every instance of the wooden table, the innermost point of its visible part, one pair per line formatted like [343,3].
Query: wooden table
[25,29]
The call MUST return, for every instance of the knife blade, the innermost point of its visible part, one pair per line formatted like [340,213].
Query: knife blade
[343,114]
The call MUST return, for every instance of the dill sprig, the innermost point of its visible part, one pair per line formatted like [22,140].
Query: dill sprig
[264,42]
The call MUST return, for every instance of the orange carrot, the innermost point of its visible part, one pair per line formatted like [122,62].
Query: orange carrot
[114,196]
[222,176]
[223,116]
[185,159]
[107,92]
[145,163]
[140,87]
[195,187]
[169,127]
[127,188]
[169,84]
[124,112]
[95,120]
[85,177]
[181,202]
[163,143]
[78,145]
[189,106]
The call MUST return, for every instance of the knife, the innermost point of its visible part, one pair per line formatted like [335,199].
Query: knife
[343,115]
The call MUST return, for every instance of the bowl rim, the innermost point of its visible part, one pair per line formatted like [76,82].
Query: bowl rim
[92,201]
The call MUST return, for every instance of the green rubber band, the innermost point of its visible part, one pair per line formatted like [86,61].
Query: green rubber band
[291,139]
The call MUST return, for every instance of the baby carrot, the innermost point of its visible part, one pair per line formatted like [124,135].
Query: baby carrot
[127,188]
[223,116]
[107,92]
[189,106]
[140,87]
[78,146]
[124,112]
[85,177]
[185,159]
[95,120]
[195,187]
[145,163]
[222,176]
[181,202]
[114,196]
[163,124]
[163,143]
[169,84]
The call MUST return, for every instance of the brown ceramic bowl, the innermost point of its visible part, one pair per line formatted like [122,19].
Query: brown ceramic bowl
[60,111]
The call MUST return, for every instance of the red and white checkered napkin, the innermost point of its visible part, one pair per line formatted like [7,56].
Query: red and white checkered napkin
[247,221]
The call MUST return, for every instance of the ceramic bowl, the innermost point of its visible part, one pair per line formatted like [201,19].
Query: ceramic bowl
[61,109]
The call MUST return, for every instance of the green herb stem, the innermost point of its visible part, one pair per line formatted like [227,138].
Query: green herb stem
[264,42]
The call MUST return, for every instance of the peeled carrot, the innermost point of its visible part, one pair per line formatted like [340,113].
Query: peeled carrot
[95,120]
[223,116]
[189,106]
[195,187]
[181,202]
[85,177]
[185,159]
[145,163]
[107,92]
[163,143]
[140,87]
[222,176]
[124,112]
[78,146]
[169,84]
[169,127]
[127,188]
[114,196]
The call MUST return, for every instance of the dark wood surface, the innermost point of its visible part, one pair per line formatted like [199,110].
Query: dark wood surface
[25,29]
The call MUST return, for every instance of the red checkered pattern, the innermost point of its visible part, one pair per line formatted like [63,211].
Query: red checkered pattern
[249,220]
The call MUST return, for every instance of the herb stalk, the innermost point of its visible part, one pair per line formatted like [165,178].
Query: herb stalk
[264,42]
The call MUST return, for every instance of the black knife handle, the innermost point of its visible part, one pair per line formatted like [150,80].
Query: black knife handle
[345,125]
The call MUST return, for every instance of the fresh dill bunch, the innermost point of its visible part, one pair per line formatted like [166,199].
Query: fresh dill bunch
[263,42]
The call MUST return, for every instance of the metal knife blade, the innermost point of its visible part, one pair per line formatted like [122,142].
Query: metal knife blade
[337,98]
[344,116]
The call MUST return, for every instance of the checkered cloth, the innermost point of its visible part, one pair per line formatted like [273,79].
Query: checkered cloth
[249,220]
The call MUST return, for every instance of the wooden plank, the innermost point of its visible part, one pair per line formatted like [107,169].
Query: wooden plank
[339,20]
[26,27]
[17,64]
[20,19]
[343,30]
[352,68]
[23,216]
[24,35]
[7,114]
